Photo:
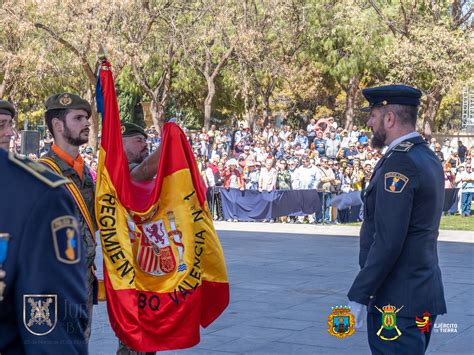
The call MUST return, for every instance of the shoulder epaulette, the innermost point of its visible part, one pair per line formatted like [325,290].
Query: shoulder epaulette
[403,147]
[38,171]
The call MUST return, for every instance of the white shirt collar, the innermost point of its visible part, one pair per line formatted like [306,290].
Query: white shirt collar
[401,139]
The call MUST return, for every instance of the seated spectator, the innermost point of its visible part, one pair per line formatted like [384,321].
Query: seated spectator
[361,152]
[345,139]
[351,153]
[332,124]
[299,151]
[320,144]
[311,129]
[369,158]
[301,139]
[354,135]
[363,139]
[332,146]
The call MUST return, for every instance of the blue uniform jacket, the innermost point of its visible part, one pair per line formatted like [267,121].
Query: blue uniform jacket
[398,240]
[43,310]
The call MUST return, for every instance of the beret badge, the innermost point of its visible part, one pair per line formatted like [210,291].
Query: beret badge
[65,100]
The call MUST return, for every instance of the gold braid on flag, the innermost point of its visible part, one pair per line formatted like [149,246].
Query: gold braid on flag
[75,193]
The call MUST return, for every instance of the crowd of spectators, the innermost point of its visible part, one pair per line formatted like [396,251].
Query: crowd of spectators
[324,156]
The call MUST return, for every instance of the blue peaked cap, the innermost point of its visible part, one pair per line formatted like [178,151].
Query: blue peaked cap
[391,95]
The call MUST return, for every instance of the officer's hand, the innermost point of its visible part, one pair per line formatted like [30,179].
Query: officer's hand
[357,310]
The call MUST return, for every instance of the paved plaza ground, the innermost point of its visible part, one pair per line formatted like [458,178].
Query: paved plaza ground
[284,279]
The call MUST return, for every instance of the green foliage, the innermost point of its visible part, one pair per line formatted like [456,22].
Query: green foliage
[130,108]
[299,56]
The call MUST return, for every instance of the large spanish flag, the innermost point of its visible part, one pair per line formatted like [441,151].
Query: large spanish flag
[164,268]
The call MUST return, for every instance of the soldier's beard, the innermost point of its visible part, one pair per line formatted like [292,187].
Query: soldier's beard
[378,138]
[75,141]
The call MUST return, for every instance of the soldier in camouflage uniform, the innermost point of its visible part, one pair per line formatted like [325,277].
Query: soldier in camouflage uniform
[143,167]
[67,118]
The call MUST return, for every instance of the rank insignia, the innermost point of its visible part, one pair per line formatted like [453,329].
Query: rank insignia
[341,322]
[389,322]
[67,244]
[40,313]
[395,182]
[424,323]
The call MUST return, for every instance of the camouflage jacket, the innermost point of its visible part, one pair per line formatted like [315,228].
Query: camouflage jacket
[86,187]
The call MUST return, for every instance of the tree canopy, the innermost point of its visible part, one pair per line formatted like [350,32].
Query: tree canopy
[221,61]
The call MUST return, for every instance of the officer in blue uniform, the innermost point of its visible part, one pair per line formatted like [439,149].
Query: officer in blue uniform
[42,272]
[400,278]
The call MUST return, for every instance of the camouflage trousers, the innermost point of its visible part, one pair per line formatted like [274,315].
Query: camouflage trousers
[124,350]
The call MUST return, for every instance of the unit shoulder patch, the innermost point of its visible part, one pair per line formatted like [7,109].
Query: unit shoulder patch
[37,170]
[67,245]
[403,147]
[395,182]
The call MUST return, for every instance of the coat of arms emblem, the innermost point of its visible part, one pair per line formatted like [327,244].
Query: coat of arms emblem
[155,255]
[389,322]
[341,322]
[40,313]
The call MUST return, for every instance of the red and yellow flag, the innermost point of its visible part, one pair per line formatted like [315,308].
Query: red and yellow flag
[164,268]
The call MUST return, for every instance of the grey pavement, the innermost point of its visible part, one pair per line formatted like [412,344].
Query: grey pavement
[284,279]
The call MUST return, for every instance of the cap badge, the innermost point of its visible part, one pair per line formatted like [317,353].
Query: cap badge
[65,100]
[384,102]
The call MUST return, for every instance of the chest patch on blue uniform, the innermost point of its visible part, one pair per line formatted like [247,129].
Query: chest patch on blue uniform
[395,182]
[67,245]
[40,313]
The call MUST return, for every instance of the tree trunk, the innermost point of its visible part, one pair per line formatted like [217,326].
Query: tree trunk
[94,119]
[6,81]
[164,100]
[253,114]
[156,113]
[433,102]
[266,109]
[351,90]
[211,91]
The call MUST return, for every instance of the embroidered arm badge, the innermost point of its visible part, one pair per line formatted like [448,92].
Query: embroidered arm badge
[395,182]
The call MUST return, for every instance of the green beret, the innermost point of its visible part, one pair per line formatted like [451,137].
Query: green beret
[131,129]
[66,101]
[6,108]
